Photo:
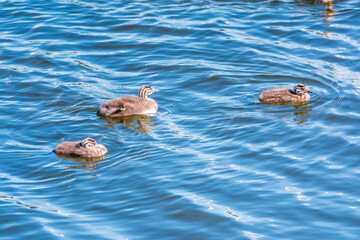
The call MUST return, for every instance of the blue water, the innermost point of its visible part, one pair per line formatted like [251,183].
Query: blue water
[213,163]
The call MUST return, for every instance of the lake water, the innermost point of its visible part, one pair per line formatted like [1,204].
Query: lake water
[213,163]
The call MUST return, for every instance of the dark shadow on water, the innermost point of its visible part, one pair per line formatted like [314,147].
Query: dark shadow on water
[141,123]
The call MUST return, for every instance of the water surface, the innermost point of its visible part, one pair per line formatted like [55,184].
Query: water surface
[213,163]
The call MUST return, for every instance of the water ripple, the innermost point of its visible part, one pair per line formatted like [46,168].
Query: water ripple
[214,163]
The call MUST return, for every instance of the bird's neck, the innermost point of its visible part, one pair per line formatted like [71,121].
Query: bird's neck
[292,91]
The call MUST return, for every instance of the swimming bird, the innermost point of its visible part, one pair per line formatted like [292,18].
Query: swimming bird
[300,93]
[131,105]
[87,148]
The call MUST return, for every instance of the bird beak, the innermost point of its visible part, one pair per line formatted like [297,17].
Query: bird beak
[156,90]
[309,91]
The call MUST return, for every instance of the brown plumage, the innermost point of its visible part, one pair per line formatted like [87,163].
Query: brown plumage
[87,148]
[300,93]
[131,105]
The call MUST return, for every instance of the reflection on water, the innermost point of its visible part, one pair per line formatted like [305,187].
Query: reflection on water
[294,105]
[301,113]
[330,12]
[328,4]
[301,107]
[88,164]
[141,123]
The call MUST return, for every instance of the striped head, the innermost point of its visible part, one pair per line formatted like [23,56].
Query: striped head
[88,143]
[145,91]
[300,89]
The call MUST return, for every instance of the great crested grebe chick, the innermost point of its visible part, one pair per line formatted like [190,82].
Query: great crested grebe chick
[87,148]
[131,105]
[300,93]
